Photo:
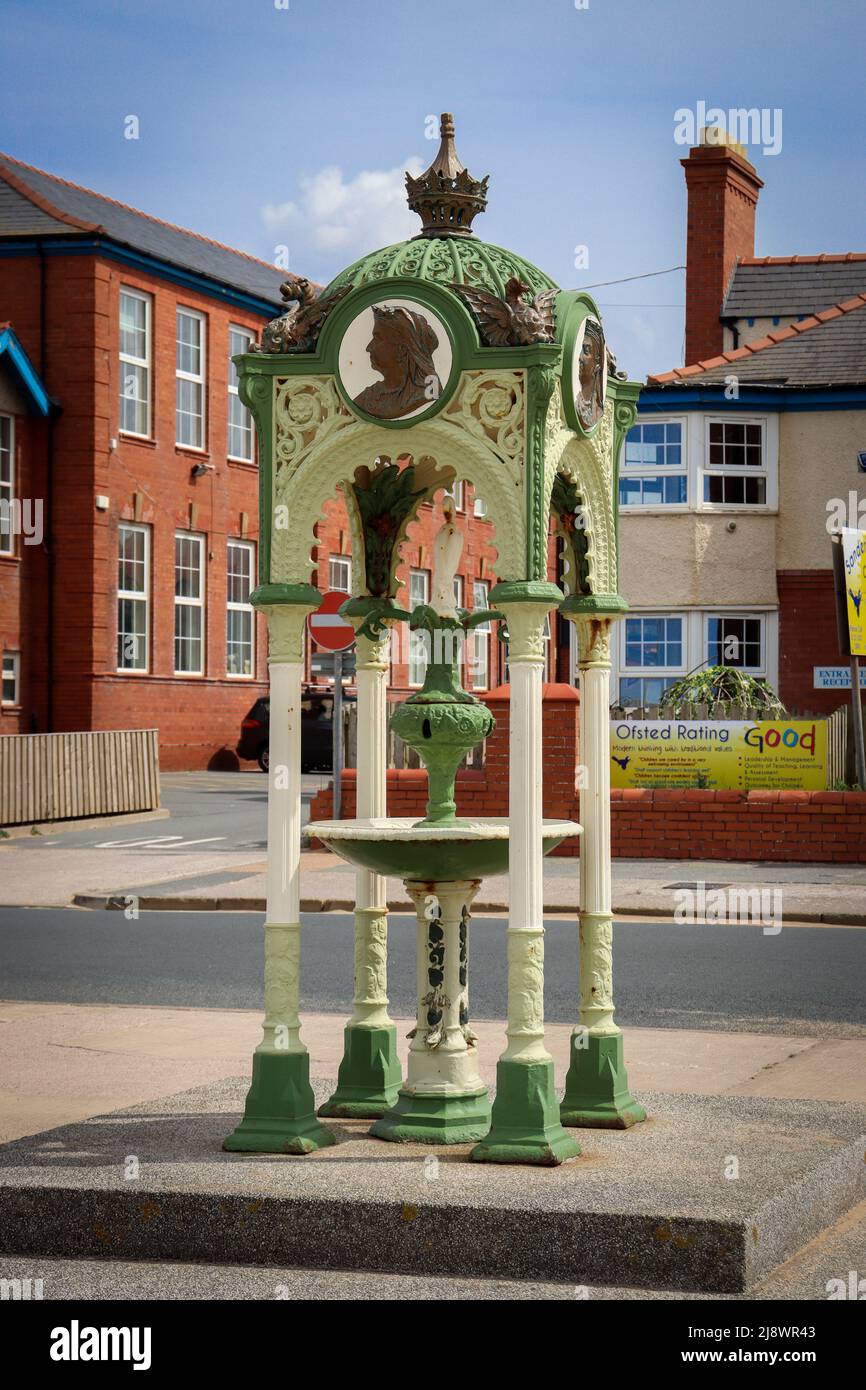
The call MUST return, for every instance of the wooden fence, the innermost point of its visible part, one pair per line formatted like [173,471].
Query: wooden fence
[837,726]
[52,777]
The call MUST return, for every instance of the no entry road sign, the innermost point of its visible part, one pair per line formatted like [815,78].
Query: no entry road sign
[327,628]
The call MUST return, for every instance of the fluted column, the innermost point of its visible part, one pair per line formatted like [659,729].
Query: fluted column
[596,1088]
[280,1109]
[369,1076]
[525,1125]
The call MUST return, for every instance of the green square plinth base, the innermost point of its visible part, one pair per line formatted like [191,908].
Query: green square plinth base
[280,1113]
[370,1074]
[431,1119]
[596,1087]
[525,1121]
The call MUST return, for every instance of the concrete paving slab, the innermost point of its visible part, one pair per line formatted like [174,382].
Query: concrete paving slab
[648,1207]
[65,1062]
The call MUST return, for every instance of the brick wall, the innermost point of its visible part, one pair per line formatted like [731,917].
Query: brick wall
[783,826]
[807,638]
[23,576]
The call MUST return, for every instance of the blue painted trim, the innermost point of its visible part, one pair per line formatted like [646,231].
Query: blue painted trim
[165,270]
[10,346]
[668,400]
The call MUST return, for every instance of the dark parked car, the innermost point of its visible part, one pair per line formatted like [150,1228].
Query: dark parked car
[317,726]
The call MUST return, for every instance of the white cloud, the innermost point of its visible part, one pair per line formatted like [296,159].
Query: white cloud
[345,218]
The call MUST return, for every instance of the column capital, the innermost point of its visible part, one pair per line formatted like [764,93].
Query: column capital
[371,655]
[525,619]
[594,639]
[286,607]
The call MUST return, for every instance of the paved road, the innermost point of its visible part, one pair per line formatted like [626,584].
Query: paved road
[808,980]
[216,810]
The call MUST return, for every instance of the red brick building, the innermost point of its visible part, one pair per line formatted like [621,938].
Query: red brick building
[124,423]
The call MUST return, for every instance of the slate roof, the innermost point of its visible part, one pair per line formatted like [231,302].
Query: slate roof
[766,286]
[825,349]
[33,202]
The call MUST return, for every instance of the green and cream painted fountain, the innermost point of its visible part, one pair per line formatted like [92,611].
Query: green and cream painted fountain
[442,860]
[438,360]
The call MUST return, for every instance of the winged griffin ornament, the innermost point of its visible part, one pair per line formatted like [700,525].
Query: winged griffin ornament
[512,321]
[297,330]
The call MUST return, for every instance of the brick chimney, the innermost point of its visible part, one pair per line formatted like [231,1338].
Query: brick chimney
[723,192]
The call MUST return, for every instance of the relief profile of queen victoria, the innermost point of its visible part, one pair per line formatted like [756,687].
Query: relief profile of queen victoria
[397,368]
[590,373]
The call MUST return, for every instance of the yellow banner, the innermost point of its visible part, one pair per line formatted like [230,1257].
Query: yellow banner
[854,556]
[774,754]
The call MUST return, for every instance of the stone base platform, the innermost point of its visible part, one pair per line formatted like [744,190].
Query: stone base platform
[647,1207]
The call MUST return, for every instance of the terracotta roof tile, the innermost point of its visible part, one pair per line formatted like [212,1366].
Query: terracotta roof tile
[832,355]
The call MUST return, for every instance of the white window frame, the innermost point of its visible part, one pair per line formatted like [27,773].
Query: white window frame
[181,601]
[14,658]
[233,393]
[232,606]
[136,596]
[418,641]
[199,379]
[695,643]
[641,471]
[765,471]
[696,445]
[338,563]
[737,615]
[481,634]
[141,363]
[456,492]
[644,672]
[7,487]
[479,507]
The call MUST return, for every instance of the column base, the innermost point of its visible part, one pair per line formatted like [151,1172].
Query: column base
[596,1087]
[424,1118]
[279,1117]
[370,1074]
[525,1123]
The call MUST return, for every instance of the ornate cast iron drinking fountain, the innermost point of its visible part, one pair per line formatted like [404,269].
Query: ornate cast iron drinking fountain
[440,359]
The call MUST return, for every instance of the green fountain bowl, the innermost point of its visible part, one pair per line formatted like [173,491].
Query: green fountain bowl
[406,848]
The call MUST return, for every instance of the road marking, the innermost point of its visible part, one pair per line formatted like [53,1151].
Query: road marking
[159,842]
[130,844]
[210,839]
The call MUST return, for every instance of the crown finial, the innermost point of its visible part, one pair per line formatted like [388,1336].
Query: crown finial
[446,196]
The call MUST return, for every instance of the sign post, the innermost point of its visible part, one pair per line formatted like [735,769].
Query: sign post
[331,631]
[849,572]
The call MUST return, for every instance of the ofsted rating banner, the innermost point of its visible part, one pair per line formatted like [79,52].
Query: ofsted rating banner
[719,753]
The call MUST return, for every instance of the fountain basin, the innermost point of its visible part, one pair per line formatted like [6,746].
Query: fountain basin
[406,848]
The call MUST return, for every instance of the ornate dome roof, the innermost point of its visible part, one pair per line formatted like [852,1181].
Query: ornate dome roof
[446,198]
[445,259]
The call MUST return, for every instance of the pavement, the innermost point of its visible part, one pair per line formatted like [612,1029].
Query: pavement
[233,880]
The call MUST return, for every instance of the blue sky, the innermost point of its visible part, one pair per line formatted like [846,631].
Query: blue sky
[263,126]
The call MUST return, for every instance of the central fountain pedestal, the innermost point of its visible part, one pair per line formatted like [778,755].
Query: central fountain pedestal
[443,1099]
